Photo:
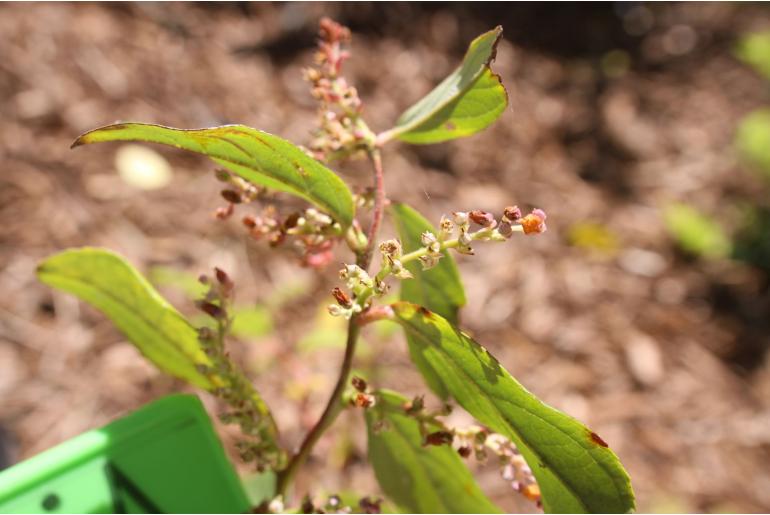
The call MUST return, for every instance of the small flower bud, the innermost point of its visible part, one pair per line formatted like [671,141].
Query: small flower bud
[291,221]
[460,218]
[446,227]
[465,239]
[249,221]
[429,261]
[336,310]
[482,218]
[391,248]
[231,196]
[370,506]
[203,279]
[511,213]
[341,298]
[439,438]
[534,223]
[415,406]
[428,238]
[358,383]
[224,279]
[505,229]
[464,451]
[223,213]
[363,400]
[211,309]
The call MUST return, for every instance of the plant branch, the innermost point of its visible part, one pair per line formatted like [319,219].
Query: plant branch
[335,404]
[333,408]
[379,208]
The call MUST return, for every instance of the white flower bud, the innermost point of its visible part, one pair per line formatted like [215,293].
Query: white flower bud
[461,218]
[465,239]
[336,310]
[428,238]
[429,261]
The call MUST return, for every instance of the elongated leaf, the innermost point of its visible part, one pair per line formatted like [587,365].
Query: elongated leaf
[438,289]
[418,479]
[466,102]
[254,155]
[575,469]
[107,282]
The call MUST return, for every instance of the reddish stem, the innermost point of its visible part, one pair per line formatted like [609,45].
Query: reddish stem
[379,208]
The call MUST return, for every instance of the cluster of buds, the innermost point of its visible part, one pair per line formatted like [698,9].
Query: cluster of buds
[219,294]
[341,131]
[358,282]
[479,442]
[235,389]
[491,229]
[433,247]
[239,191]
[363,398]
[314,233]
[391,256]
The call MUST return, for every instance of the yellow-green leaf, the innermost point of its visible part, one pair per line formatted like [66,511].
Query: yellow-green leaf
[255,155]
[466,102]
[418,479]
[438,289]
[574,468]
[107,282]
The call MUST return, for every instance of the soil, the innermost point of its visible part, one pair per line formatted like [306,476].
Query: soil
[616,111]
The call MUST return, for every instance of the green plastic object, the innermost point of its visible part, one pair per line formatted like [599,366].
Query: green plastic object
[163,458]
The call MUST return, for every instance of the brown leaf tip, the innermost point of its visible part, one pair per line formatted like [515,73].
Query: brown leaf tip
[597,439]
[425,311]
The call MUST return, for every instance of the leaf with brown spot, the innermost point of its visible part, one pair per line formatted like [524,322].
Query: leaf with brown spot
[257,156]
[576,474]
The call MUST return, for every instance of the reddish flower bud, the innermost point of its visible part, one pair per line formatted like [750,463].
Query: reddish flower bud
[482,218]
[512,213]
[359,384]
[223,213]
[250,221]
[211,309]
[291,221]
[439,438]
[464,451]
[341,297]
[231,196]
[224,279]
[369,505]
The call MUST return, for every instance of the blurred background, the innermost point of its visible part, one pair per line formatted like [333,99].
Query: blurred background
[642,129]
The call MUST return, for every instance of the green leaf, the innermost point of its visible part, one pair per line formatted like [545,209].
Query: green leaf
[255,155]
[107,282]
[753,139]
[438,289]
[466,102]
[418,479]
[695,232]
[260,487]
[754,50]
[575,469]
